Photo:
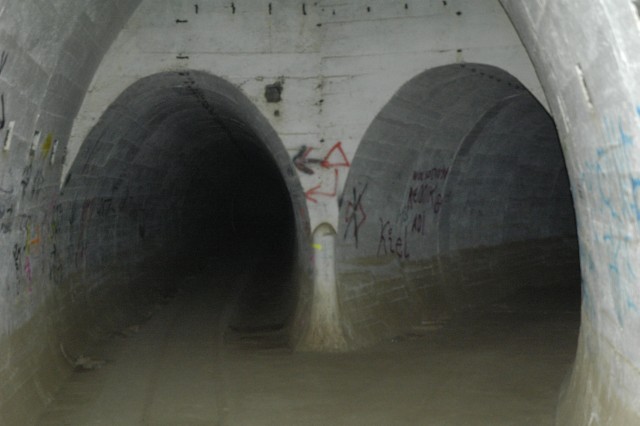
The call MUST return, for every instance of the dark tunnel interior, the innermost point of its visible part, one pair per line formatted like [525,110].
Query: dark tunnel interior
[179,178]
[240,213]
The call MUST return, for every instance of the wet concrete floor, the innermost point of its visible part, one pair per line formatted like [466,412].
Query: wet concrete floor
[503,365]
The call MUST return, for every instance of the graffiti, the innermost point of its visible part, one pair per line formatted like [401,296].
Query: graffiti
[3,118]
[392,243]
[419,225]
[6,209]
[33,238]
[355,215]
[47,145]
[425,191]
[425,194]
[436,173]
[27,269]
[17,257]
[26,178]
[4,56]
[35,180]
[320,190]
[621,207]
[300,160]
[335,157]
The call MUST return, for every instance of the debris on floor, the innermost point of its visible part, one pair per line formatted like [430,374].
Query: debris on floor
[82,363]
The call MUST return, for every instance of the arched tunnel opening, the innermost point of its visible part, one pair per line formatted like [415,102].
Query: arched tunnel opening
[460,183]
[180,178]
[458,216]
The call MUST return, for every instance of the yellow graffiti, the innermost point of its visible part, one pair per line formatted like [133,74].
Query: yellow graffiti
[46,146]
[317,246]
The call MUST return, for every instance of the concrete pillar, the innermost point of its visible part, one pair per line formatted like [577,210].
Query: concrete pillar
[324,332]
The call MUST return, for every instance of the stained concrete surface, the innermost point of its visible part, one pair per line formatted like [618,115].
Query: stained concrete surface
[502,365]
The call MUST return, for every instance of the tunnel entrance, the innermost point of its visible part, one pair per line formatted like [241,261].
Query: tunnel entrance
[469,239]
[184,174]
[467,201]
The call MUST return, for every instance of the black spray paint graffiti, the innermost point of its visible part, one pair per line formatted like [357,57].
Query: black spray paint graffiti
[425,194]
[419,223]
[4,56]
[17,258]
[300,160]
[22,265]
[392,243]
[6,209]
[36,181]
[334,158]
[355,215]
[424,190]
[436,173]
[26,178]
[423,200]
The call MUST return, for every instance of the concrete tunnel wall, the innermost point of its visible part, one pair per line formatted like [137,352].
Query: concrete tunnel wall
[338,66]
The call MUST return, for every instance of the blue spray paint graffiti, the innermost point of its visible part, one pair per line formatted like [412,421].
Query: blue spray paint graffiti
[621,208]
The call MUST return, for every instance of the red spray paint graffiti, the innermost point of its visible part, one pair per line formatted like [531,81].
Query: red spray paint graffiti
[335,158]
[318,190]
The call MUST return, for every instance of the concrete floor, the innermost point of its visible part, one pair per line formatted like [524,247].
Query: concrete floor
[500,366]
